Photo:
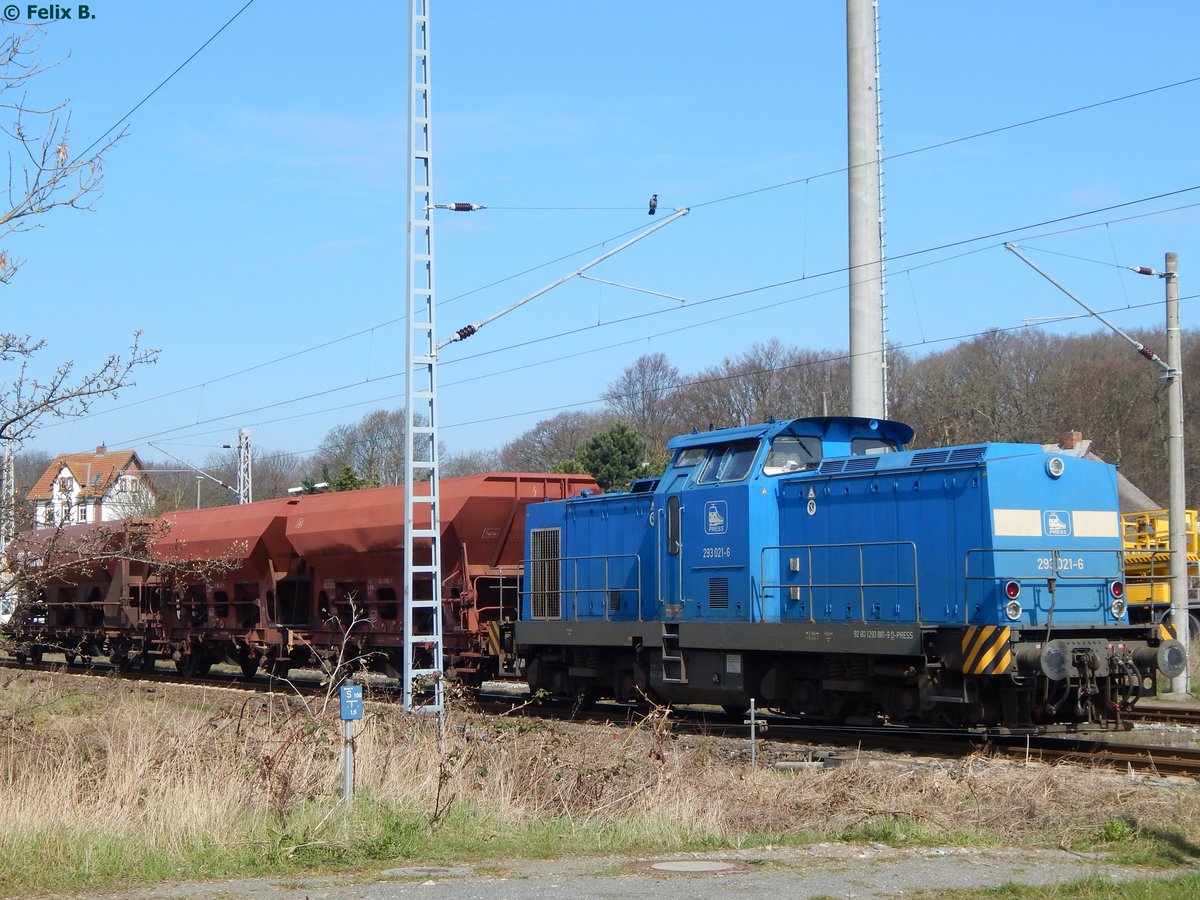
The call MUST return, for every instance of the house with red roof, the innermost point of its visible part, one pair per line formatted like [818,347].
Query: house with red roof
[102,486]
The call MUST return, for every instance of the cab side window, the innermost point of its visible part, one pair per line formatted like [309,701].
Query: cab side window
[792,454]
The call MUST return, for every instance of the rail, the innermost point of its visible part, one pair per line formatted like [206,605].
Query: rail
[811,559]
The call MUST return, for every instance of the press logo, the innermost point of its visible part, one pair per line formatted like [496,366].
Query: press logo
[51,13]
[1056,523]
[716,514]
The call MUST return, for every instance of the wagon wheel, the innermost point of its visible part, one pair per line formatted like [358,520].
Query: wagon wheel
[186,665]
[203,665]
[146,662]
[249,666]
[279,668]
[35,654]
[70,656]
[119,656]
[21,657]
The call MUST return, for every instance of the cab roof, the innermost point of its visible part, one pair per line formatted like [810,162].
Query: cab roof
[831,428]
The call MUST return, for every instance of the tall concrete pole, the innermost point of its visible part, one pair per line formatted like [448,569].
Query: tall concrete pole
[867,394]
[1176,521]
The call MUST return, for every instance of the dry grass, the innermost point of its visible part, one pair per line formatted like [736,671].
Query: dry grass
[109,784]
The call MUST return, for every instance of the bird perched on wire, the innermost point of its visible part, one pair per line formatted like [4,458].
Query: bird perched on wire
[653,203]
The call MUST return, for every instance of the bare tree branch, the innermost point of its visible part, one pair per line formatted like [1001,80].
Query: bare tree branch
[42,174]
[27,400]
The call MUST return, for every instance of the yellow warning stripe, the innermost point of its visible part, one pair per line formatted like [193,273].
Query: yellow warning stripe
[986,650]
[493,638]
[1166,630]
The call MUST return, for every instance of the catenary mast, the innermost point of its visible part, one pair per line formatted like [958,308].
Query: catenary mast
[422,557]
[868,363]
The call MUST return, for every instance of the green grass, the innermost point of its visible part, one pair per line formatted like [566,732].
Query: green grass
[907,832]
[1177,887]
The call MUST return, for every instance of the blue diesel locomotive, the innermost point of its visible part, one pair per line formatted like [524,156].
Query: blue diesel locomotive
[819,568]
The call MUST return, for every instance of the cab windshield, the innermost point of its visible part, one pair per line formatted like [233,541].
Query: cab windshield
[729,462]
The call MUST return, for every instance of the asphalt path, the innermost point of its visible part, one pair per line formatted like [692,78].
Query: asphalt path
[820,870]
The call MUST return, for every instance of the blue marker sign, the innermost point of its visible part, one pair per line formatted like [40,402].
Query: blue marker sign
[352,702]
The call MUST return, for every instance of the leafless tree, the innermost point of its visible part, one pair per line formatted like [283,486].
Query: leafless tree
[471,462]
[768,380]
[552,441]
[42,172]
[643,398]
[43,175]
[27,400]
[28,467]
[373,448]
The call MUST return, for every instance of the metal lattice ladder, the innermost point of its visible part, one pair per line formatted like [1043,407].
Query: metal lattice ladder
[422,522]
[245,484]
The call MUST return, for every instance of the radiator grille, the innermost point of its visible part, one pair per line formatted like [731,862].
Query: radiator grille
[718,593]
[544,573]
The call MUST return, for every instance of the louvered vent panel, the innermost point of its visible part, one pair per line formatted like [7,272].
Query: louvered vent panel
[929,457]
[832,467]
[718,593]
[862,464]
[967,454]
[544,587]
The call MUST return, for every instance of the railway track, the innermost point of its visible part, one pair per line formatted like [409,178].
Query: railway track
[1086,749]
[1152,758]
[167,677]
[1166,713]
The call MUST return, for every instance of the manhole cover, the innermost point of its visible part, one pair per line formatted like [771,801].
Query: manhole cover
[692,866]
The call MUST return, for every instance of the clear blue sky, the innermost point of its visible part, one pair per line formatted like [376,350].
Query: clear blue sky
[254,213]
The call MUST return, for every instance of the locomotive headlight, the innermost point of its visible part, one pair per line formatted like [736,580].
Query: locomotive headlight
[1055,466]
[1118,605]
[1012,609]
